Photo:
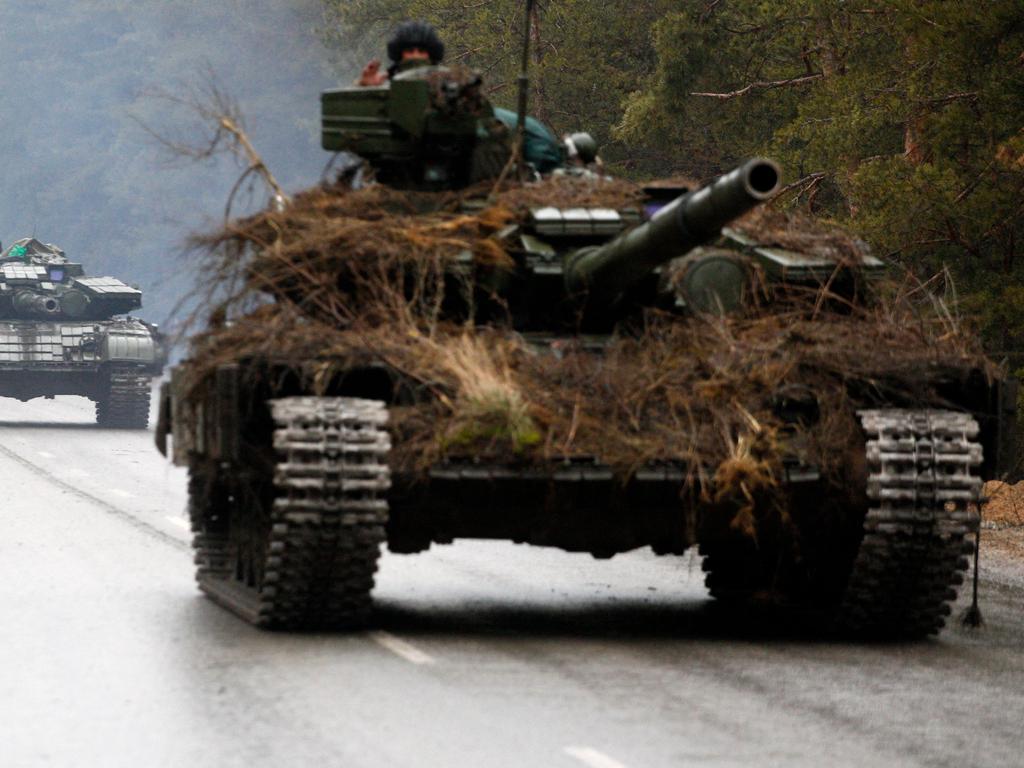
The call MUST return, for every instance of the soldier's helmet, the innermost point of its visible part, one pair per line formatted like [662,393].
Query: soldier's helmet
[416,34]
[584,145]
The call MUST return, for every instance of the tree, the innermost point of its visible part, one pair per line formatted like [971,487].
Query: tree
[901,118]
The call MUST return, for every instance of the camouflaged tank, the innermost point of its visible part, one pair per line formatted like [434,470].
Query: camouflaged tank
[64,333]
[292,494]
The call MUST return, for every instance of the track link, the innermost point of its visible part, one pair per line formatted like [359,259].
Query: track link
[124,402]
[326,522]
[924,495]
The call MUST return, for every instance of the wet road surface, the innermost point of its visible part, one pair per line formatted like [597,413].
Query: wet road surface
[482,654]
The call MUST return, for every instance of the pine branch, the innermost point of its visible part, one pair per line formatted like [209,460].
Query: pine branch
[764,85]
[966,95]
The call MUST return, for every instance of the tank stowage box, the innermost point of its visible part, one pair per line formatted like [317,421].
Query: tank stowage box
[63,333]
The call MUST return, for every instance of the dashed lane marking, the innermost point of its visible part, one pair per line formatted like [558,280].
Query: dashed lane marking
[102,504]
[592,758]
[119,492]
[401,648]
[180,522]
[46,454]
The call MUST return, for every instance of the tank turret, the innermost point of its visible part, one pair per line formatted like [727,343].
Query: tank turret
[37,281]
[600,273]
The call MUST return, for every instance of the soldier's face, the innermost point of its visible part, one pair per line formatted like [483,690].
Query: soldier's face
[415,54]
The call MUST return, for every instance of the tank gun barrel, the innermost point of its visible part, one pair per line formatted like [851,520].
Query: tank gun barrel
[601,273]
[33,304]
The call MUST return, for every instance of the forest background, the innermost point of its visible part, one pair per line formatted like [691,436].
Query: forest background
[903,119]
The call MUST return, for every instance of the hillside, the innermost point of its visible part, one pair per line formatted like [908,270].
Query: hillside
[78,170]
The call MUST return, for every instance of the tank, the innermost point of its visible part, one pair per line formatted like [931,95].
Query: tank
[301,464]
[64,333]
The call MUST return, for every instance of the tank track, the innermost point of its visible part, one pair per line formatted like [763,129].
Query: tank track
[923,494]
[124,402]
[207,505]
[326,522]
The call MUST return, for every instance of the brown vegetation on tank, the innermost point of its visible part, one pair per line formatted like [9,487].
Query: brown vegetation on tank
[796,231]
[359,278]
[377,222]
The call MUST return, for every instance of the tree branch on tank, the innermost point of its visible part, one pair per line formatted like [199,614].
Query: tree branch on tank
[219,130]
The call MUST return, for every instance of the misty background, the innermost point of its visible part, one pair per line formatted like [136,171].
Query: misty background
[76,168]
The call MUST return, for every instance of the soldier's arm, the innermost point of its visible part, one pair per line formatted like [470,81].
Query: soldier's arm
[371,75]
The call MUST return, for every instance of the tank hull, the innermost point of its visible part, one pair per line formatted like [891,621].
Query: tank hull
[108,361]
[234,434]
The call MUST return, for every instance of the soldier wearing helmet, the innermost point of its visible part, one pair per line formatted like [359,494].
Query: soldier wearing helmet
[413,44]
[581,152]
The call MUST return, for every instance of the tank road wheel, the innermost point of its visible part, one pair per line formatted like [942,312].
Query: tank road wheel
[923,486]
[123,399]
[308,561]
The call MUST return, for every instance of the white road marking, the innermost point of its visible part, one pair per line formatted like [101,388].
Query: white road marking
[179,521]
[591,757]
[74,472]
[400,647]
[46,454]
[119,492]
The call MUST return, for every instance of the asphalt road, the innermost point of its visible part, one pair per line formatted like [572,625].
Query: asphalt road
[482,654]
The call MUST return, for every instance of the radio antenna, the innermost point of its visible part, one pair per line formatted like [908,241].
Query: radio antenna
[524,91]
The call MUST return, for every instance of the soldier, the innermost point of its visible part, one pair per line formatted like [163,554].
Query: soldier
[581,151]
[416,44]
[413,44]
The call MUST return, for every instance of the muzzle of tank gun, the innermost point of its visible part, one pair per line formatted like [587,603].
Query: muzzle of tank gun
[29,303]
[601,273]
